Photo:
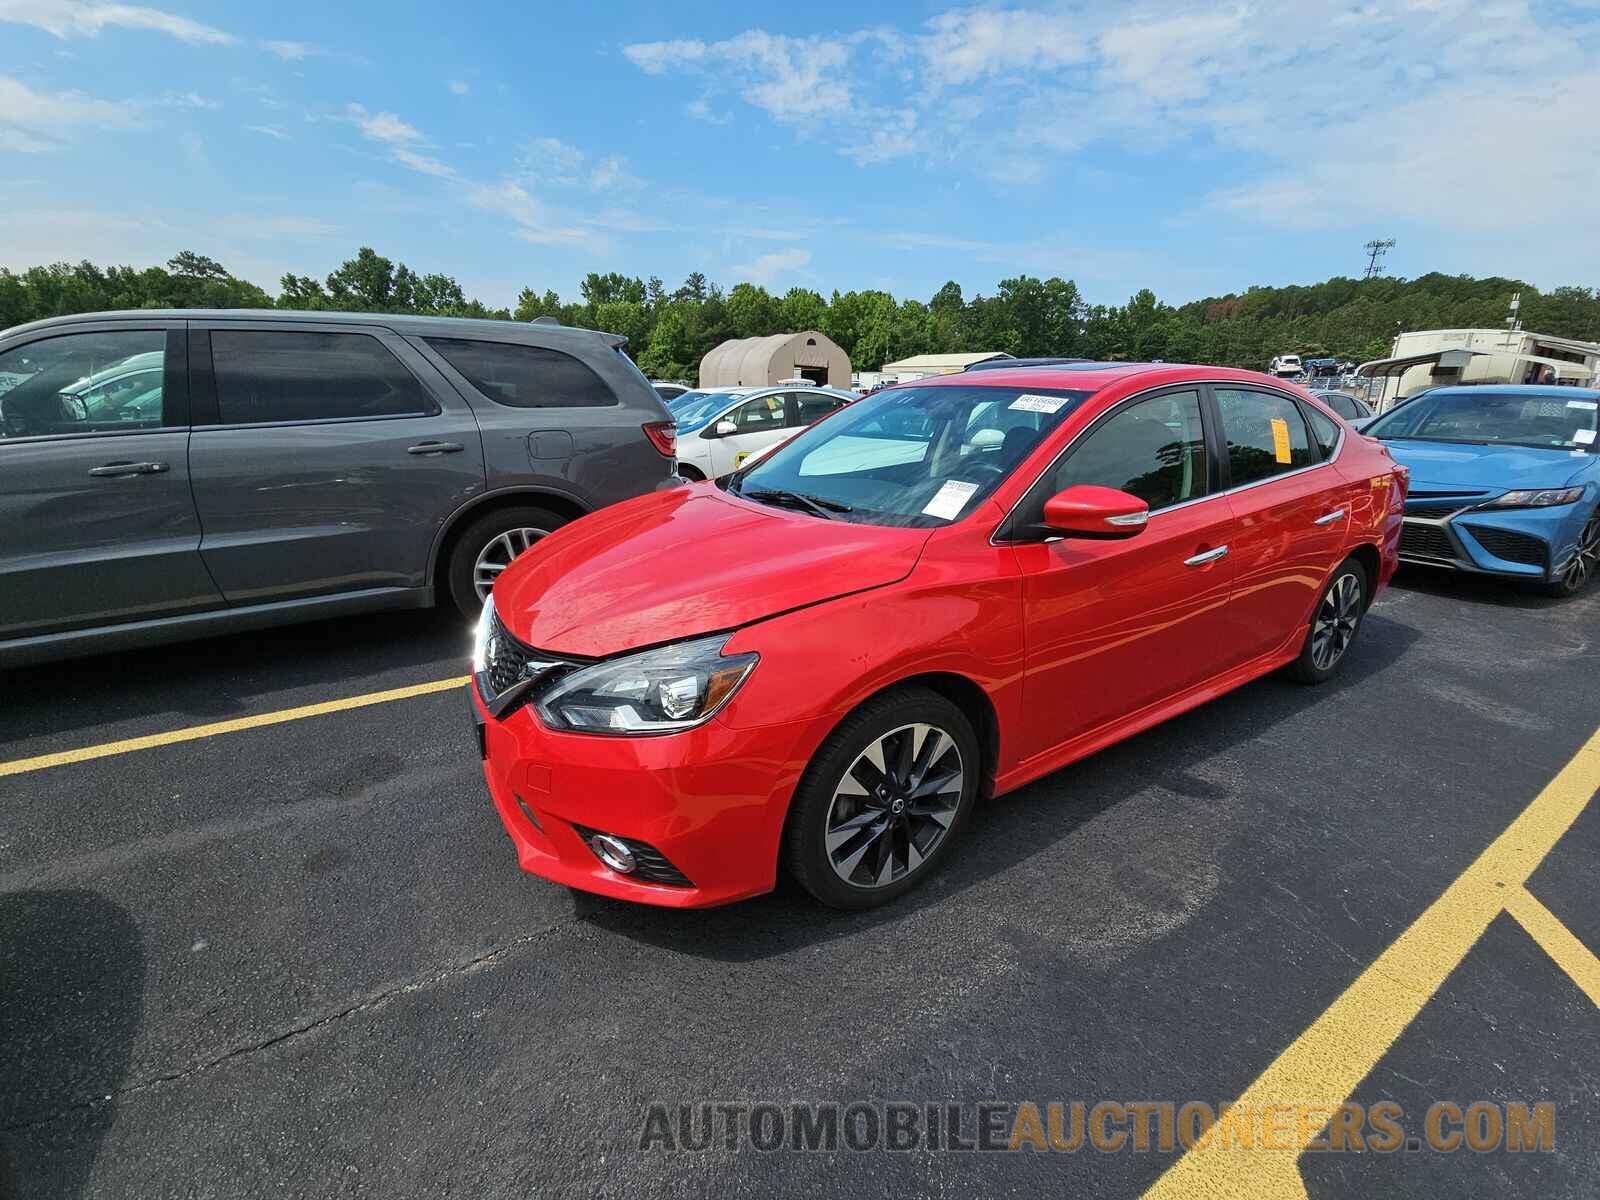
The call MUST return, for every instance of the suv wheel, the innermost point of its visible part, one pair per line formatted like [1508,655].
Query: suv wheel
[882,800]
[486,547]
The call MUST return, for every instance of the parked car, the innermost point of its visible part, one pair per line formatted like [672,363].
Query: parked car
[1347,406]
[165,475]
[669,391]
[1505,481]
[1286,366]
[943,592]
[718,428]
[1001,364]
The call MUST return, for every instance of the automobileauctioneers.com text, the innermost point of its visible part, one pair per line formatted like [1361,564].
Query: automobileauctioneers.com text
[1106,1127]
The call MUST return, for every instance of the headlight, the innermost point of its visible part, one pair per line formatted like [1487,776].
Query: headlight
[658,691]
[1544,499]
[480,637]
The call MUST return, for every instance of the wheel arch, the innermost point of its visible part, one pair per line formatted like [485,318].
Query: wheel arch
[444,544]
[1366,556]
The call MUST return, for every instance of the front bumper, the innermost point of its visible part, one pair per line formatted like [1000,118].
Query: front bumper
[1528,543]
[711,801]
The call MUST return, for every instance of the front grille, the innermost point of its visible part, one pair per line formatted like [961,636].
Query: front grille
[653,866]
[509,663]
[1436,509]
[1509,545]
[1425,541]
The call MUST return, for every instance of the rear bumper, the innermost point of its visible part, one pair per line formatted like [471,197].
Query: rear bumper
[710,800]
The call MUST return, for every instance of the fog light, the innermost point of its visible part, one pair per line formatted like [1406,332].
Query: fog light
[613,852]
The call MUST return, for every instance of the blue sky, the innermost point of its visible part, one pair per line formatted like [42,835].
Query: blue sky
[1192,150]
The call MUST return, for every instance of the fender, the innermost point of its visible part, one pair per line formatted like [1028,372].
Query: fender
[465,512]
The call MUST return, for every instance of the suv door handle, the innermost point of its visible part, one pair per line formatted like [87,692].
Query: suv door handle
[1206,556]
[1329,518]
[128,468]
[435,448]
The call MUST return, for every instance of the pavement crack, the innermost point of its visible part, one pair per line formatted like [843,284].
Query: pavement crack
[367,1003]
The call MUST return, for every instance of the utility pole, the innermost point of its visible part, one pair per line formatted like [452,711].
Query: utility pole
[1375,252]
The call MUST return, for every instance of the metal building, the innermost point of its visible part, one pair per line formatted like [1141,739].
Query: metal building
[762,361]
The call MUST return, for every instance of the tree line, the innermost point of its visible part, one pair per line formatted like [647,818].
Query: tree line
[669,332]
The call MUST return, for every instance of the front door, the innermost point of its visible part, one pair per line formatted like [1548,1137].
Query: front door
[1293,513]
[326,459]
[97,524]
[1114,626]
[760,422]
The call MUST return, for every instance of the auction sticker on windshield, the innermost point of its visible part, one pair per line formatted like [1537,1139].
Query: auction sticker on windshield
[951,498]
[1039,404]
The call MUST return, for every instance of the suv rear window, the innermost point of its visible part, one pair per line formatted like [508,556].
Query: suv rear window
[291,375]
[525,376]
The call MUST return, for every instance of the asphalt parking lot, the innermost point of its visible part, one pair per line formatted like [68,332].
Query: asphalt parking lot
[298,959]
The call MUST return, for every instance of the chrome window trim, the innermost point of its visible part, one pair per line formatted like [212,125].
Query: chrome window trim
[1150,393]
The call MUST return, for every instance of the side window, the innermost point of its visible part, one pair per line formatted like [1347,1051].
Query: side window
[525,376]
[1266,435]
[813,406]
[1155,450]
[83,383]
[289,375]
[762,413]
[1325,432]
[1342,405]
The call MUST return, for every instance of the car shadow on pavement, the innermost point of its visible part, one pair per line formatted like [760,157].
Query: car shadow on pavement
[215,679]
[71,1002]
[1006,831]
[1475,589]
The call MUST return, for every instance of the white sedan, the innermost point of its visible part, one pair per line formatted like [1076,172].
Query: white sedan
[719,428]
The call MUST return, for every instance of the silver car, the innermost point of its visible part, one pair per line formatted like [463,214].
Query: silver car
[165,475]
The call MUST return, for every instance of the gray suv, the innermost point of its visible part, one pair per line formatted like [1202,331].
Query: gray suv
[165,475]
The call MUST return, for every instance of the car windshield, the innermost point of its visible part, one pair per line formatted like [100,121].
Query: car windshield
[910,456]
[1485,417]
[694,409]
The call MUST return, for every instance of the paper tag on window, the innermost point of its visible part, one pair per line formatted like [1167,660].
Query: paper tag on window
[1038,404]
[1584,405]
[952,498]
[1584,437]
[1280,440]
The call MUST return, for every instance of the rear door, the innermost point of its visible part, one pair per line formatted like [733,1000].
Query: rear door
[1293,517]
[325,458]
[1114,626]
[97,524]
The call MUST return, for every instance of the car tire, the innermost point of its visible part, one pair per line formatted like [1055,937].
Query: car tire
[689,473]
[495,535]
[909,837]
[1583,566]
[1335,621]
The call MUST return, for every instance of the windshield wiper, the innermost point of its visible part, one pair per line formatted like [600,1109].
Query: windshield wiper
[815,504]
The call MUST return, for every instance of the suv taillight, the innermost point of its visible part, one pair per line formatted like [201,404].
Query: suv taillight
[663,436]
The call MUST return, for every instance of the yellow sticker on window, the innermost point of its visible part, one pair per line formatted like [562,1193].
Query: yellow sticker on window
[1280,440]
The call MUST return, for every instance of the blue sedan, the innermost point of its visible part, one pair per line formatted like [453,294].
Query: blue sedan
[1504,481]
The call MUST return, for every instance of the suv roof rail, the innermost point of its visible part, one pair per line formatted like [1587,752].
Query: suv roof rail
[547,319]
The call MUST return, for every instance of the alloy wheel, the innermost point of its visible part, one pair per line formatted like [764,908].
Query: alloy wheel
[894,805]
[1585,561]
[1335,624]
[497,556]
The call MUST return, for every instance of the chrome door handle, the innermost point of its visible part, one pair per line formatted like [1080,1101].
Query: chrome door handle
[1329,518]
[435,448]
[1206,556]
[128,468]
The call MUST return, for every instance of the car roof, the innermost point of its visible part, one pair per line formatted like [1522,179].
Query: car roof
[398,322]
[1092,376]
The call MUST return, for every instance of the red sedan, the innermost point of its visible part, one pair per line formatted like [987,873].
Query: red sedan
[937,594]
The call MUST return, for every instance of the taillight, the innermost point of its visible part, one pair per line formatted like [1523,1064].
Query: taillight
[663,436]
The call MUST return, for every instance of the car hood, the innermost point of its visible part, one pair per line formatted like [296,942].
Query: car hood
[687,561]
[1454,465]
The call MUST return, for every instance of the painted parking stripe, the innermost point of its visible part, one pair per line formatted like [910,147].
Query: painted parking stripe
[21,766]
[1325,1064]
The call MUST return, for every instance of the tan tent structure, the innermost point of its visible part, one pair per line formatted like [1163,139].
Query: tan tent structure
[763,361]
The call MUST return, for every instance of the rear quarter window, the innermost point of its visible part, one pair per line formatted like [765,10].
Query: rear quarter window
[520,376]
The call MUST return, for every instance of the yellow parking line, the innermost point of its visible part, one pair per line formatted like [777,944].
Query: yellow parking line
[1325,1064]
[1556,940]
[22,766]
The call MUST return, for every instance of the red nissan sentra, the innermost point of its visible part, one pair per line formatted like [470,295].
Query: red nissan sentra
[937,594]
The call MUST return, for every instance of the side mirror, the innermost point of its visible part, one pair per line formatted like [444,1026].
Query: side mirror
[725,428]
[1088,510]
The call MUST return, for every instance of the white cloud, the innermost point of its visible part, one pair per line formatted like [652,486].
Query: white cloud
[656,58]
[963,45]
[78,18]
[611,174]
[701,110]
[31,122]
[768,267]
[383,126]
[276,132]
[533,223]
[549,159]
[189,100]
[458,87]
[293,51]
[424,163]
[790,78]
